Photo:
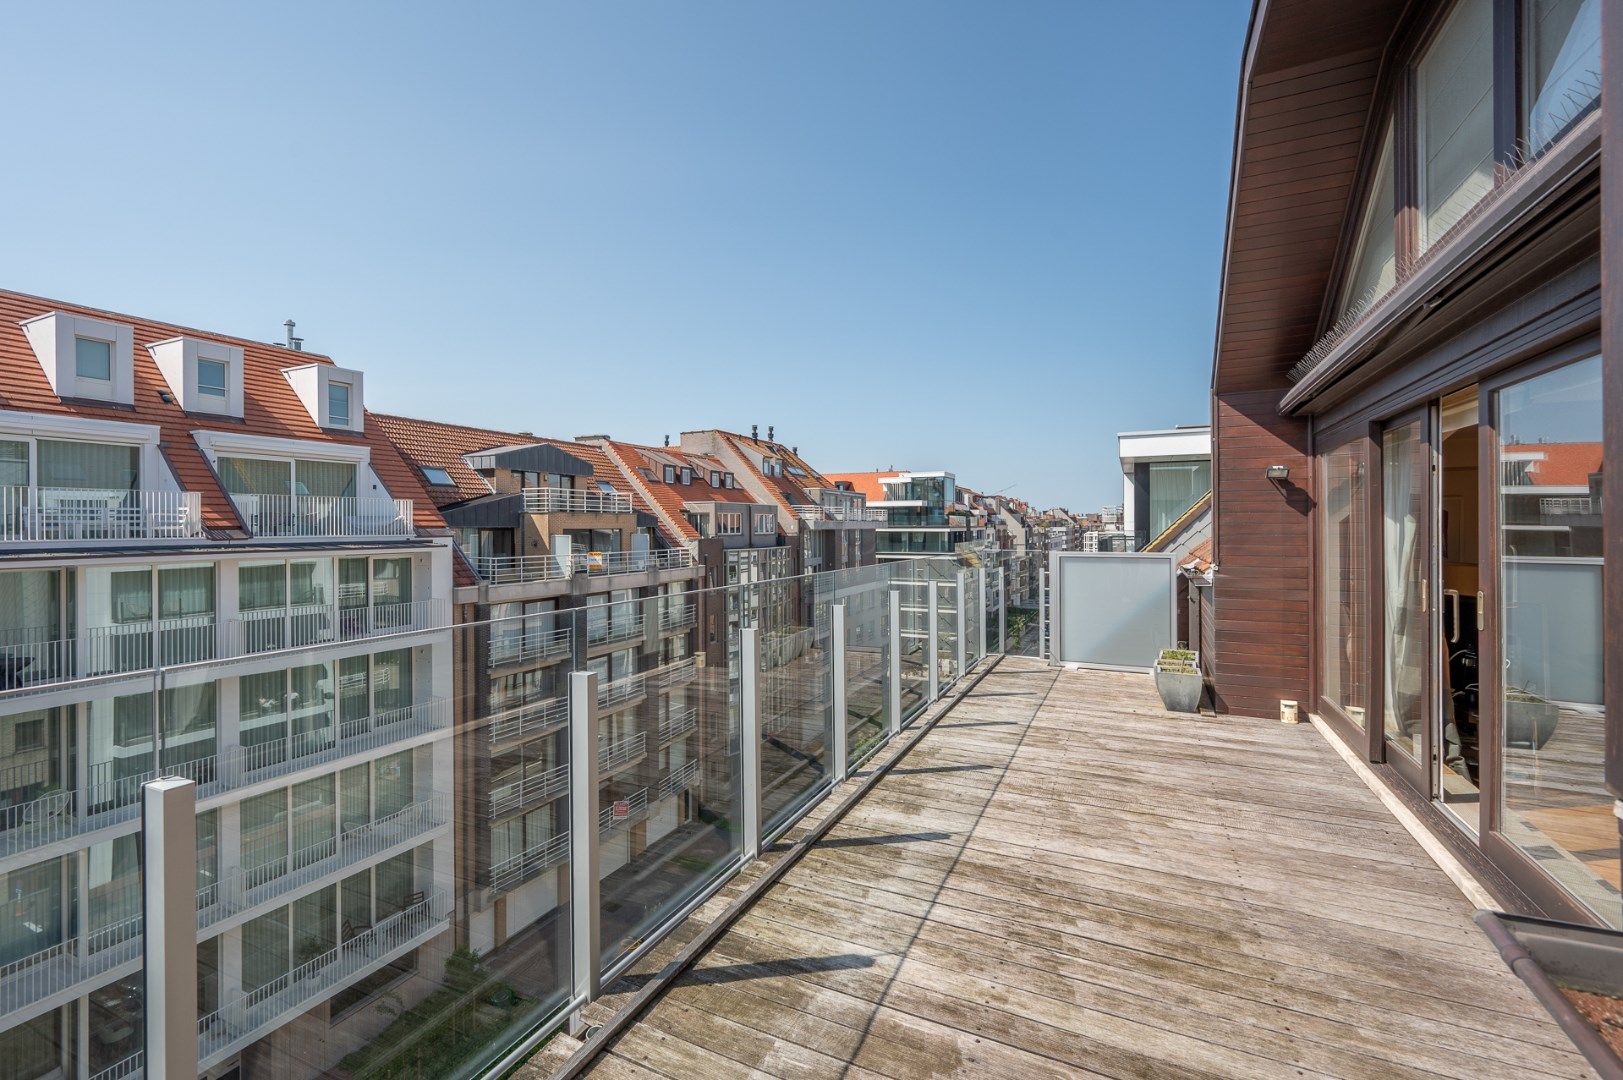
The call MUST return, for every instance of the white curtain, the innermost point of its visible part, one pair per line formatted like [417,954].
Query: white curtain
[1404,623]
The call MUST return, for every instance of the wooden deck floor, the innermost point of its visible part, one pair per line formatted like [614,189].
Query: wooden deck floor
[1062,880]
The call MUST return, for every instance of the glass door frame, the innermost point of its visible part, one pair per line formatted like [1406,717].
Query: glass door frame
[1416,772]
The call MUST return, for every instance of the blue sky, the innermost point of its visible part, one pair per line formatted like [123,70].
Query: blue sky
[975,236]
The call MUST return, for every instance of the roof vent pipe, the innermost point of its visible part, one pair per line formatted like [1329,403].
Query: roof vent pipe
[769,430]
[294,343]
[755,431]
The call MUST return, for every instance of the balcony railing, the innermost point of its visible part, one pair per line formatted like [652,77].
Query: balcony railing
[838,513]
[618,813]
[127,1069]
[527,646]
[76,514]
[74,960]
[249,1016]
[243,888]
[512,872]
[40,656]
[678,618]
[301,625]
[676,674]
[529,791]
[679,780]
[622,752]
[551,500]
[516,569]
[620,628]
[529,721]
[678,723]
[613,694]
[322,516]
[297,750]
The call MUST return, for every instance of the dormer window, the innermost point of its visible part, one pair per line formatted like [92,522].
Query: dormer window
[670,474]
[84,357]
[335,397]
[204,376]
[687,475]
[338,404]
[728,480]
[715,478]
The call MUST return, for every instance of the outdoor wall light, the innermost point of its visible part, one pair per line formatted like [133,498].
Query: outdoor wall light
[1279,472]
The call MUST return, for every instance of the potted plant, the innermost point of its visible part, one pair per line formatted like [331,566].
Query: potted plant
[1529,719]
[1178,680]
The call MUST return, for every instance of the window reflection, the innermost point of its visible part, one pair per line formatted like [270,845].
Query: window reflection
[1344,581]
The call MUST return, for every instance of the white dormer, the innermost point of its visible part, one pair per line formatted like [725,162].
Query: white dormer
[204,376]
[84,357]
[332,395]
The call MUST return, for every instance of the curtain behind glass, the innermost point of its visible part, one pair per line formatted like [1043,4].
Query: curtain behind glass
[1404,472]
[1174,487]
[29,609]
[392,777]
[262,586]
[185,590]
[332,478]
[88,465]
[13,463]
[253,476]
[1456,118]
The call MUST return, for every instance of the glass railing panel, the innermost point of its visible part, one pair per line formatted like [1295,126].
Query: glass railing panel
[794,626]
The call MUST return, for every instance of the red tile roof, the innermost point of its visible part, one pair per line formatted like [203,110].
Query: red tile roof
[1200,556]
[1560,464]
[433,443]
[649,462]
[788,489]
[270,405]
[865,482]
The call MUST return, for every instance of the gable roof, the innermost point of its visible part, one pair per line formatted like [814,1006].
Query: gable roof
[788,489]
[649,461]
[270,407]
[866,483]
[441,445]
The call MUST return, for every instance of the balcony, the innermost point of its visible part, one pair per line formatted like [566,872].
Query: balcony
[619,693]
[298,750]
[622,812]
[607,631]
[74,962]
[529,721]
[40,656]
[632,562]
[1035,929]
[675,675]
[241,889]
[678,723]
[131,1066]
[529,646]
[551,500]
[323,517]
[250,1016]
[614,756]
[268,629]
[521,569]
[679,780]
[75,515]
[529,791]
[674,619]
[514,871]
[860,515]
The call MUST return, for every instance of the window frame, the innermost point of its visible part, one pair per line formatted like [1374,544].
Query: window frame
[348,388]
[429,472]
[224,394]
[99,380]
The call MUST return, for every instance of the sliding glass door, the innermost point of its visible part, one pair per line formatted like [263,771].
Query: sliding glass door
[1406,479]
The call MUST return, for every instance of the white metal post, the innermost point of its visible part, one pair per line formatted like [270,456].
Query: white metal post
[980,611]
[932,633]
[893,677]
[961,623]
[749,736]
[1002,611]
[1042,613]
[169,933]
[840,752]
[585,899]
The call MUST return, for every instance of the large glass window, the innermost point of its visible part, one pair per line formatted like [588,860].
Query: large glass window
[256,476]
[1374,263]
[83,465]
[1343,581]
[1174,486]
[1561,65]
[93,359]
[1454,84]
[1552,713]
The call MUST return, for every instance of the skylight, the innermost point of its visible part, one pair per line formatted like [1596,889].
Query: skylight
[437,476]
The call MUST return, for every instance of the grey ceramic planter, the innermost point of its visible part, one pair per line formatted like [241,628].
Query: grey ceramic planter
[1179,690]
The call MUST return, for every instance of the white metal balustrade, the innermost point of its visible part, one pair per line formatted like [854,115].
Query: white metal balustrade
[612,756]
[73,959]
[97,514]
[807,512]
[268,629]
[325,516]
[630,562]
[620,627]
[676,674]
[679,780]
[555,500]
[249,1016]
[678,723]
[516,569]
[295,750]
[612,695]
[510,873]
[512,646]
[529,791]
[530,720]
[618,813]
[128,1069]
[678,618]
[41,656]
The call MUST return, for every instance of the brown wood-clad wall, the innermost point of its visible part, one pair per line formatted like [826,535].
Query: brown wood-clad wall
[1261,587]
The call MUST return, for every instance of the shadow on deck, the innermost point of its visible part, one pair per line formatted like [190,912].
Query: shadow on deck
[1063,880]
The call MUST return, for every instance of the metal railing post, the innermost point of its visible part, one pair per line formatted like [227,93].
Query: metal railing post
[749,736]
[1042,613]
[169,941]
[1002,611]
[585,900]
[841,754]
[961,624]
[932,636]
[980,611]
[893,677]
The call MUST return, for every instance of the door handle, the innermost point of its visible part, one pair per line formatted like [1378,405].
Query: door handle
[1425,596]
[1453,596]
[1481,613]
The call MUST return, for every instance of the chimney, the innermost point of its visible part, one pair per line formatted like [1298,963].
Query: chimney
[294,343]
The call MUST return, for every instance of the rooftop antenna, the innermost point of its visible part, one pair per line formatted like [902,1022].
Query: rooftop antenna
[294,343]
[755,431]
[667,440]
[769,430]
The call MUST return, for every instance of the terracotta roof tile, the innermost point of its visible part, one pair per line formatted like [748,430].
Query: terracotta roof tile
[1560,464]
[866,483]
[270,405]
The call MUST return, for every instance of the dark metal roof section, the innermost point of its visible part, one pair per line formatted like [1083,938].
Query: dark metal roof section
[530,457]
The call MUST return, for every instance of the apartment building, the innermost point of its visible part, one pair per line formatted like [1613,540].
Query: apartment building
[1164,472]
[213,565]
[564,568]
[924,516]
[1411,417]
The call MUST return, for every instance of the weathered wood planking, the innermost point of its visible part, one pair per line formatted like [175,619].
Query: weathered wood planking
[1063,880]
